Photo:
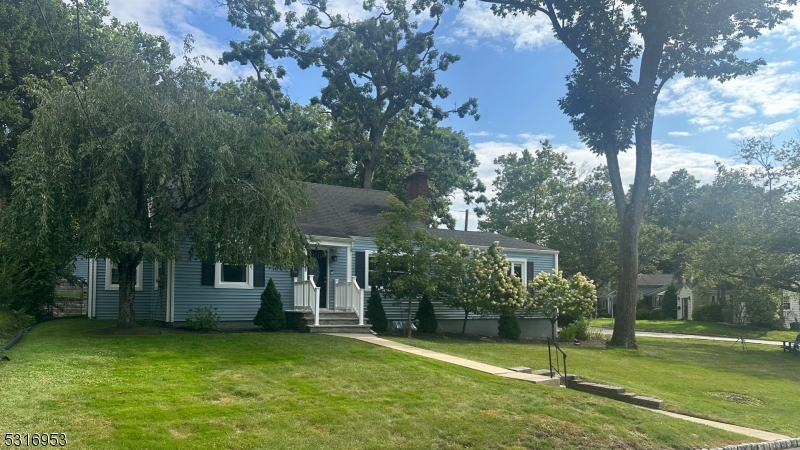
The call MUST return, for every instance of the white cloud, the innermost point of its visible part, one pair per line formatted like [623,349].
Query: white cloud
[174,20]
[774,91]
[534,137]
[679,133]
[476,24]
[758,130]
[480,134]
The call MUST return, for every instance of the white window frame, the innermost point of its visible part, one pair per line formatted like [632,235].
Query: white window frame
[115,287]
[367,256]
[219,284]
[524,264]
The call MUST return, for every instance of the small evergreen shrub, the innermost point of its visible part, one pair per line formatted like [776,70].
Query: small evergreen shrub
[426,316]
[669,305]
[657,314]
[375,312]
[708,313]
[508,326]
[642,314]
[270,315]
[203,318]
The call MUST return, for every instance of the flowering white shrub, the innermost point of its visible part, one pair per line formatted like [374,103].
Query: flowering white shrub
[493,283]
[553,295]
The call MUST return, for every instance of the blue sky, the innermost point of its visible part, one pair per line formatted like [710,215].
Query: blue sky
[516,70]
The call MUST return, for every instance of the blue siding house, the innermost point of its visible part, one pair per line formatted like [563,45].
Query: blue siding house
[341,228]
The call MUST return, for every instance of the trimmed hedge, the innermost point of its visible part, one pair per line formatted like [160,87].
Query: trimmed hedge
[657,314]
[643,314]
[708,313]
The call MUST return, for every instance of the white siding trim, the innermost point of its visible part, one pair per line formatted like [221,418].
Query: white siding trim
[524,263]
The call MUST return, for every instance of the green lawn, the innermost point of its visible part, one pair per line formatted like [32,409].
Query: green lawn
[757,388]
[287,390]
[707,329]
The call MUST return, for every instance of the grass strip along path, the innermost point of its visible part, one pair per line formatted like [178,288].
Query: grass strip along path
[756,388]
[705,329]
[287,390]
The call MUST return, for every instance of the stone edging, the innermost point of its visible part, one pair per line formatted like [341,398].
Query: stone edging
[783,444]
[14,340]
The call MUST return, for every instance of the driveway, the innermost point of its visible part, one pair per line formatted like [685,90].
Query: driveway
[654,334]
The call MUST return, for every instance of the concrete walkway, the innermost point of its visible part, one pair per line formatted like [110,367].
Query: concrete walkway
[609,331]
[468,363]
[538,379]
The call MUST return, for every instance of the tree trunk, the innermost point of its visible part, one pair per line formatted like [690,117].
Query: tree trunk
[625,314]
[375,139]
[464,327]
[127,292]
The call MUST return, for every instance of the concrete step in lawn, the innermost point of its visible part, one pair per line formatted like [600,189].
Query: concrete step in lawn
[603,390]
[335,322]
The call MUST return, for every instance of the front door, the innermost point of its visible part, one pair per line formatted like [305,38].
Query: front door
[686,308]
[320,272]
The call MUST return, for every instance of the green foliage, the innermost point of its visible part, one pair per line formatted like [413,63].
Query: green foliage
[452,270]
[669,304]
[554,295]
[657,314]
[708,313]
[380,71]
[492,282]
[27,284]
[183,167]
[568,333]
[270,315]
[623,61]
[531,188]
[375,312]
[426,316]
[203,318]
[403,258]
[11,321]
[761,305]
[508,326]
[643,314]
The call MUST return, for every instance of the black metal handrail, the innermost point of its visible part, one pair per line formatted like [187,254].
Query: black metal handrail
[556,369]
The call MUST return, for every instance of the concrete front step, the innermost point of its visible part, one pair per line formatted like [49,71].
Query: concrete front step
[615,393]
[357,329]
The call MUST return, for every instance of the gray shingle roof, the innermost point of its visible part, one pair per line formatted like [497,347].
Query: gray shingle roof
[654,280]
[343,212]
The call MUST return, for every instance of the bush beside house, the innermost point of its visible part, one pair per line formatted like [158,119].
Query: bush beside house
[270,315]
[508,326]
[375,312]
[426,316]
[708,313]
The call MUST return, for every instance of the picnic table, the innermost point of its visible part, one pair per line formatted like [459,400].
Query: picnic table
[792,346]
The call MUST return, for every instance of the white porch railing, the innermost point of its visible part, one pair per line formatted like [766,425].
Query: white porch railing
[350,297]
[306,297]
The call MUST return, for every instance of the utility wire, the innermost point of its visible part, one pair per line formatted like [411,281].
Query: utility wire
[64,64]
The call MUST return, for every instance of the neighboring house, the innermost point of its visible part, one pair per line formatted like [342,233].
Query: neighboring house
[341,227]
[790,310]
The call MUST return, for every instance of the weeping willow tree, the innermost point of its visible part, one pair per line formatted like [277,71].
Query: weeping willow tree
[143,156]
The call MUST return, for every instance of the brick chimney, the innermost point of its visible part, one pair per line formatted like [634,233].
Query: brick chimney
[416,183]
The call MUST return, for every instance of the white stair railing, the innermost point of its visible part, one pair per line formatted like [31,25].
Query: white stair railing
[350,297]
[306,297]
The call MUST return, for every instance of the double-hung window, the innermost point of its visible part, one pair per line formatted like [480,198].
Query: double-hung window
[112,276]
